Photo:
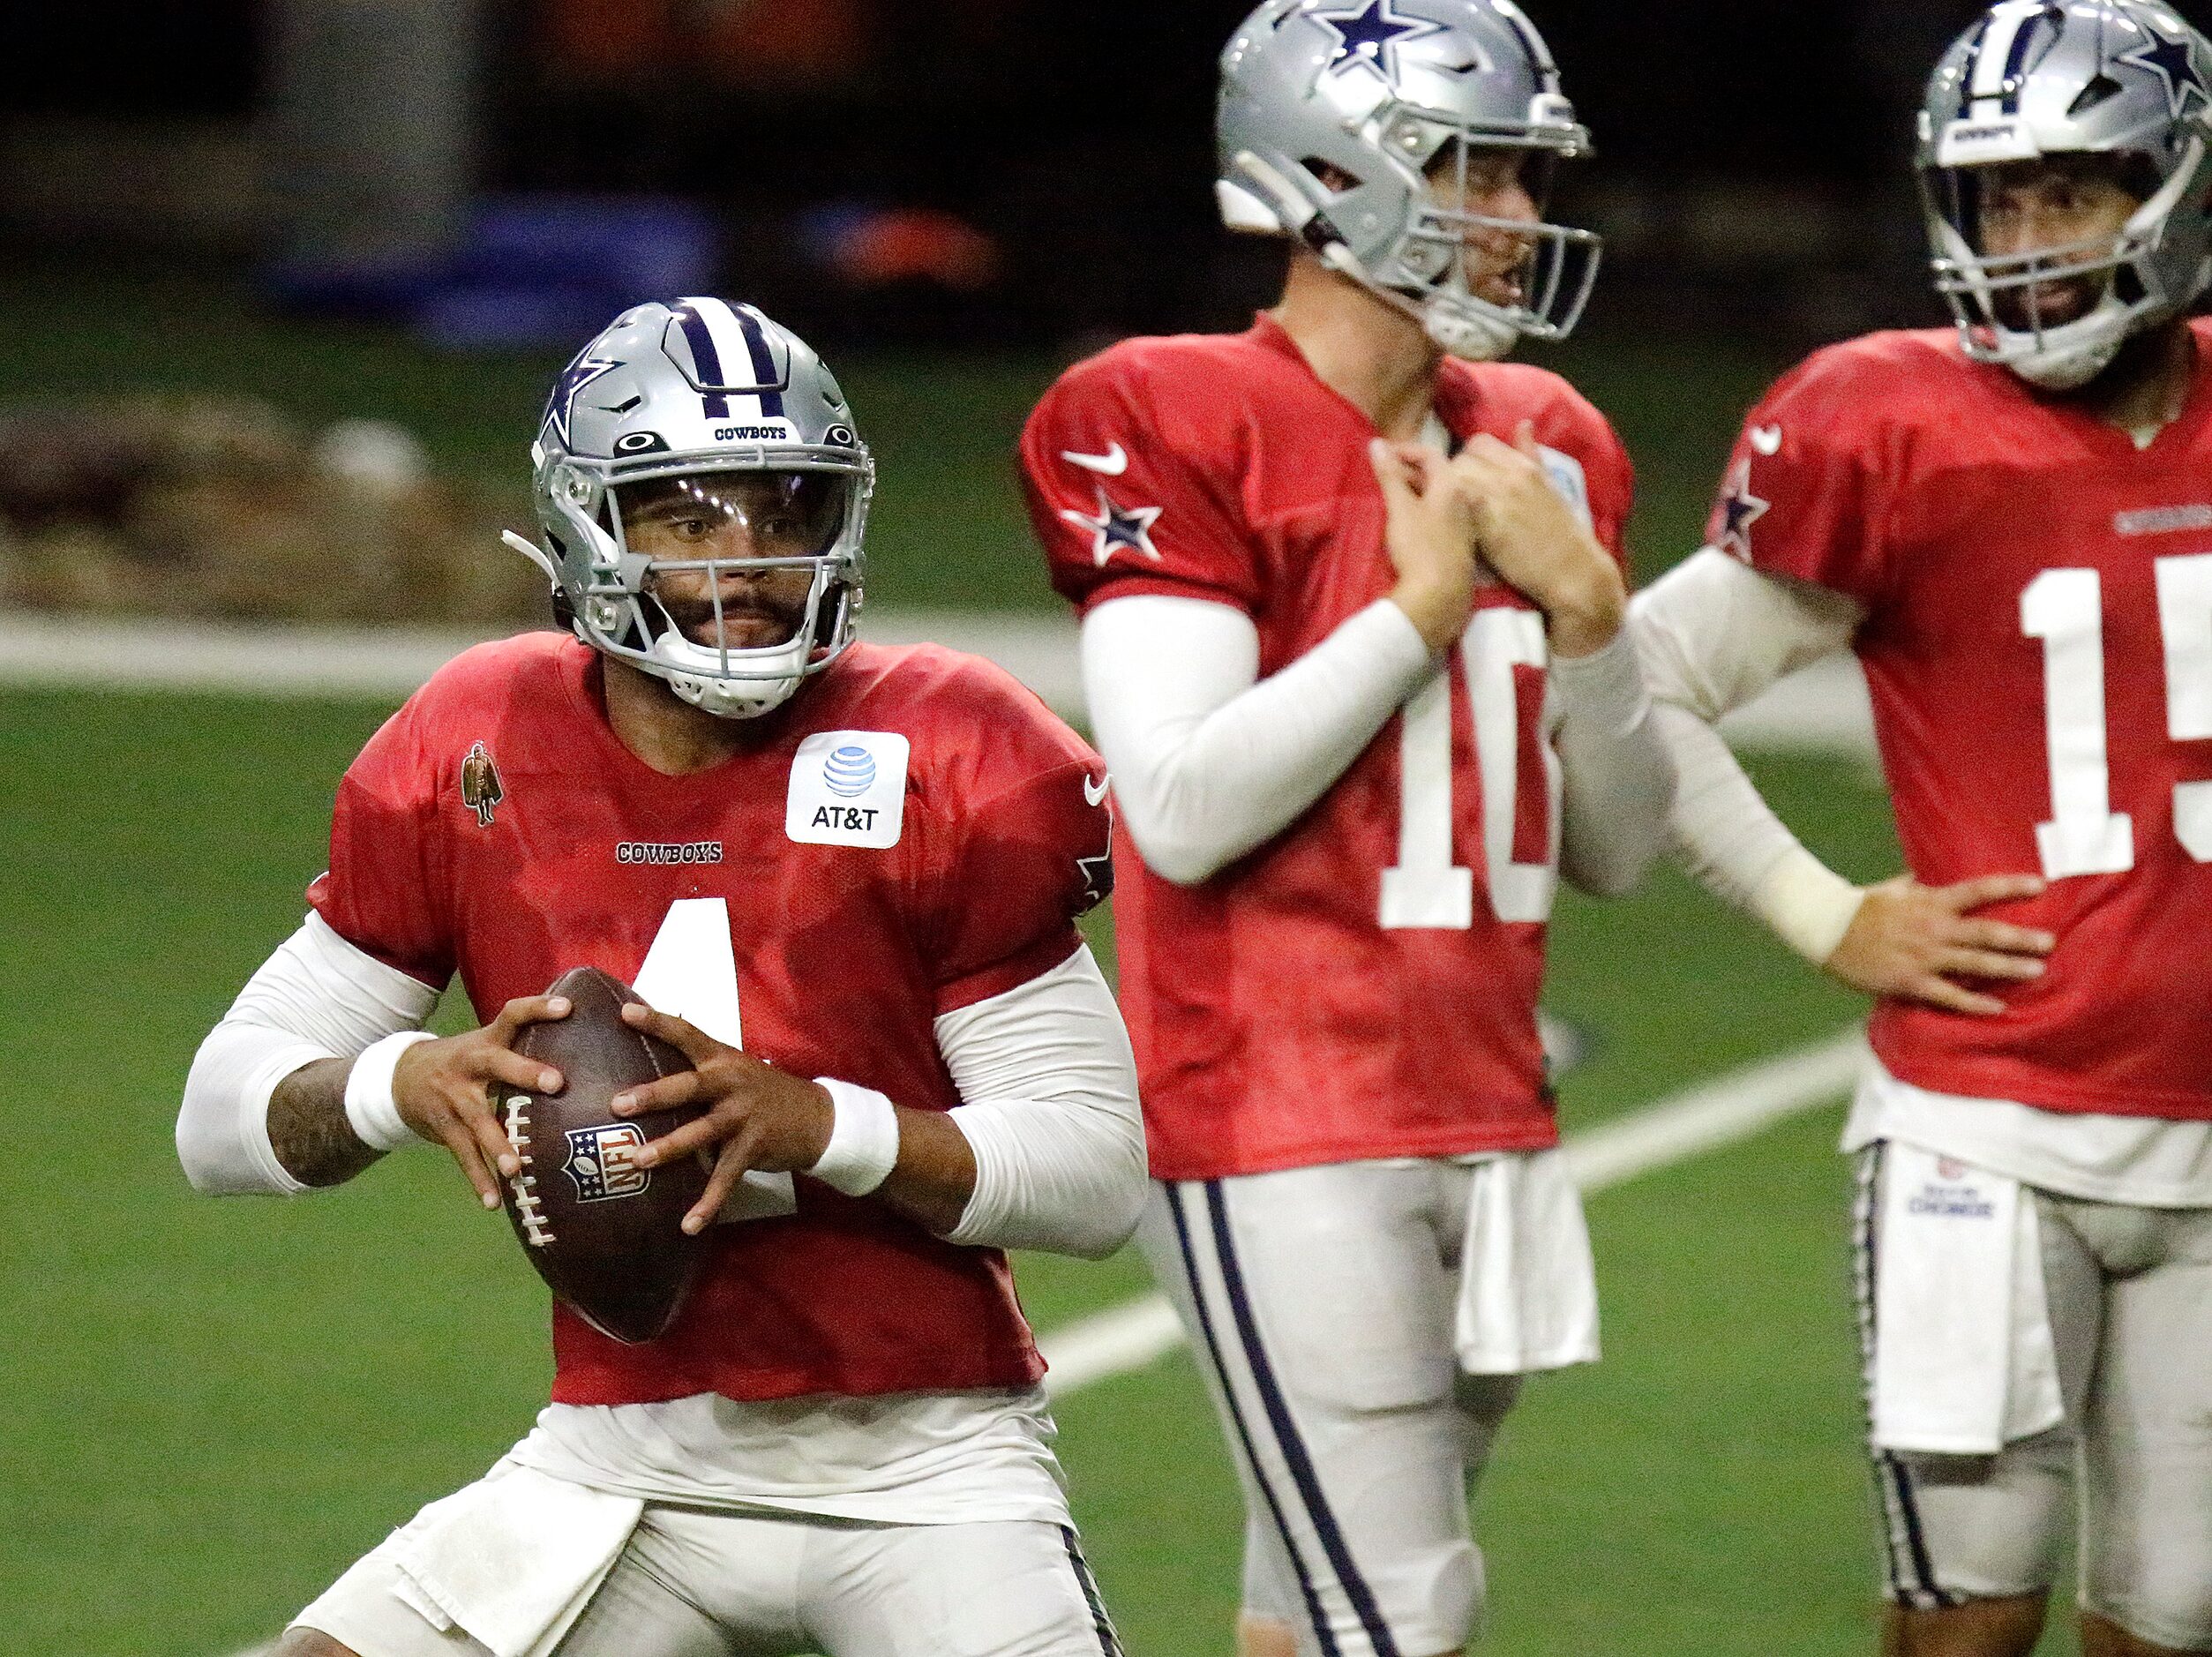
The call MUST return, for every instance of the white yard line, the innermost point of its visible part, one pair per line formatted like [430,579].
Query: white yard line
[1676,1129]
[1821,711]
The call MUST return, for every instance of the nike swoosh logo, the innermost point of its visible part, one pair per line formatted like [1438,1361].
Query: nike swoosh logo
[1113,463]
[1767,439]
[1094,793]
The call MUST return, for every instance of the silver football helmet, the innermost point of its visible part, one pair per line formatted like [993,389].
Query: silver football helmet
[1370,92]
[2121,79]
[680,421]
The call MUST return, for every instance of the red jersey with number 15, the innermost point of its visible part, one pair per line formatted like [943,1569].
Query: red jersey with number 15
[912,833]
[1365,983]
[2038,642]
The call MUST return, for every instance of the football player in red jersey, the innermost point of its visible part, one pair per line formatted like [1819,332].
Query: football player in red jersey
[1351,593]
[814,858]
[2010,524]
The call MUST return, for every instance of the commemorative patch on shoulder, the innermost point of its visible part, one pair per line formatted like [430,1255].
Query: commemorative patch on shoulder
[848,788]
[1565,475]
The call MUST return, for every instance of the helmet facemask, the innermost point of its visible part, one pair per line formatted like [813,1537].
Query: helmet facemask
[1439,262]
[1998,299]
[731,585]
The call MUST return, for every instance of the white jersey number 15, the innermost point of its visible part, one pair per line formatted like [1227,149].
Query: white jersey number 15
[2065,609]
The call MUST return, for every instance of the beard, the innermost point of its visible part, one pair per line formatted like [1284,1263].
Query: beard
[750,621]
[2050,303]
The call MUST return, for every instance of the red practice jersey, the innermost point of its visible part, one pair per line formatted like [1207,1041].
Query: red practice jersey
[913,833]
[1365,983]
[2039,645]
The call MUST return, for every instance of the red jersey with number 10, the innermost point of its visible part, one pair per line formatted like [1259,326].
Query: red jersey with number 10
[1365,983]
[912,833]
[2038,642]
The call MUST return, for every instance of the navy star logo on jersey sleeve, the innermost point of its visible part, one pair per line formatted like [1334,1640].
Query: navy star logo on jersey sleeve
[2174,64]
[1740,509]
[1118,529]
[562,403]
[1369,35]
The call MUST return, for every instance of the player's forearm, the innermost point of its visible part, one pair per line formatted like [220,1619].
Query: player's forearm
[308,1131]
[1208,763]
[935,1179]
[1617,779]
[1730,839]
[261,1112]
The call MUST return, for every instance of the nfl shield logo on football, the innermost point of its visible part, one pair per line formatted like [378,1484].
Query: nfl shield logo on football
[600,1164]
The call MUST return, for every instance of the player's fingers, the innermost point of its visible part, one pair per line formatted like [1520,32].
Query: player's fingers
[1995,934]
[491,1136]
[730,1167]
[504,1064]
[457,1139]
[1941,992]
[686,1087]
[688,1039]
[703,1133]
[1989,889]
[1524,439]
[1394,472]
[526,1009]
[1986,964]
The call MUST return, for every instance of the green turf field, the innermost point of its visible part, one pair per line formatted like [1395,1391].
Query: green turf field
[214,1407]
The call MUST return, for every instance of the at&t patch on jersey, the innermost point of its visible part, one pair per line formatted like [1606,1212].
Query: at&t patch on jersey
[848,788]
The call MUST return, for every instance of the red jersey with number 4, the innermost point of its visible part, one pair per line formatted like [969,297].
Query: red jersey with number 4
[2038,642]
[1365,983]
[912,833]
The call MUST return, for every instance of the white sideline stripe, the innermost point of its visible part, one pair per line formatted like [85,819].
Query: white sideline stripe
[1823,709]
[342,663]
[1676,1129]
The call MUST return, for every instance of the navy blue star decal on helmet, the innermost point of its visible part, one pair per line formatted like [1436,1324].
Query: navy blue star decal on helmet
[2171,60]
[1369,34]
[580,371]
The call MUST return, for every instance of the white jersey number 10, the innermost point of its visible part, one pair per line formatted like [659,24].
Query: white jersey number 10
[2065,609]
[1426,889]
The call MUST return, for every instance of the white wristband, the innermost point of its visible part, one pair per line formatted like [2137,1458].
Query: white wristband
[863,1146]
[1809,905]
[370,1106]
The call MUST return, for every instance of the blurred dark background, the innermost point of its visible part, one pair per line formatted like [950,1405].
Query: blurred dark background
[1030,171]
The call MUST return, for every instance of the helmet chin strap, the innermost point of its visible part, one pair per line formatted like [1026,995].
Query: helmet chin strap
[2070,369]
[1462,334]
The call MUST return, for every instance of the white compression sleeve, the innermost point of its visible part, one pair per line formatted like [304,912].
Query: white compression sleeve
[1209,761]
[1616,778]
[317,997]
[1713,634]
[1048,1091]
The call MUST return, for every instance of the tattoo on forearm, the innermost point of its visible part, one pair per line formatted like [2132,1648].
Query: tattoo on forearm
[309,1129]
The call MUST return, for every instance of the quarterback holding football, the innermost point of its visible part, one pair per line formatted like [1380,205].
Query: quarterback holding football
[842,881]
[2010,523]
[1351,600]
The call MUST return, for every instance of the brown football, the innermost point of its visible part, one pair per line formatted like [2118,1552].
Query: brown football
[605,1235]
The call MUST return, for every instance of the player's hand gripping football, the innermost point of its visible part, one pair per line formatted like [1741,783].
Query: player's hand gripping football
[443,1089]
[1913,942]
[760,1117]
